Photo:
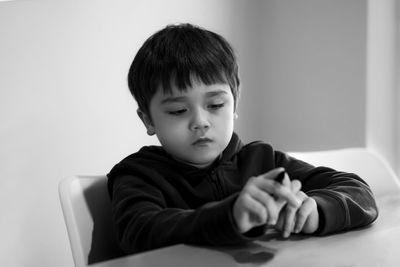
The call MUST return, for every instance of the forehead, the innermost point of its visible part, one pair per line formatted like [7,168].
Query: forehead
[197,89]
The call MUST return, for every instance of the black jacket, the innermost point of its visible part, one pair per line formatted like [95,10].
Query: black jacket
[158,201]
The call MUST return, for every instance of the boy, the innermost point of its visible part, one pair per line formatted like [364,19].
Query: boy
[202,185]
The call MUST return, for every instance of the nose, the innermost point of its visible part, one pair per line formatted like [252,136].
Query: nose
[199,121]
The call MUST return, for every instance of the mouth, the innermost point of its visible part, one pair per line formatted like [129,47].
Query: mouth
[202,142]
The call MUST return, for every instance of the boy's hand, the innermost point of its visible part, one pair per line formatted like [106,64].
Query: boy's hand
[262,199]
[303,219]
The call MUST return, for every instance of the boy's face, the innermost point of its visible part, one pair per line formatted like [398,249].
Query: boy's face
[193,126]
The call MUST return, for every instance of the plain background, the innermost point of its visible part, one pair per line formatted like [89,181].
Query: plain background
[316,74]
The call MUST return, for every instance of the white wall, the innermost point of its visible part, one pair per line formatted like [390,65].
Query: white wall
[397,91]
[304,73]
[65,108]
[381,131]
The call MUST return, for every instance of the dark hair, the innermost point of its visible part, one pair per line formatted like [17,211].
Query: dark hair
[176,54]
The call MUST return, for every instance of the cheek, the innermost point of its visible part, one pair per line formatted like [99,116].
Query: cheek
[170,129]
[171,136]
[226,118]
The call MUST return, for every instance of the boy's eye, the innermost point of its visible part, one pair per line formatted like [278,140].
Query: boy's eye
[216,106]
[177,112]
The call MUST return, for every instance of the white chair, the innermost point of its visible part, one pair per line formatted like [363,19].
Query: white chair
[368,165]
[87,213]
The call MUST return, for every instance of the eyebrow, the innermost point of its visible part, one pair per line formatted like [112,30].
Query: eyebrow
[174,99]
[216,93]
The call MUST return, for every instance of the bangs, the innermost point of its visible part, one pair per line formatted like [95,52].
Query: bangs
[183,80]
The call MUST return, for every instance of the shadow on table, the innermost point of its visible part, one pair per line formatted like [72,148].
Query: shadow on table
[256,253]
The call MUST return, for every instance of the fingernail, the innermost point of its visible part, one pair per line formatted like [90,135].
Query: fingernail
[286,234]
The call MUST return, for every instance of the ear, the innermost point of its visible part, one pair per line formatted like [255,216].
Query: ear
[146,121]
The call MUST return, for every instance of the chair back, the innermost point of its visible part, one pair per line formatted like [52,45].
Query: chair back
[370,166]
[87,213]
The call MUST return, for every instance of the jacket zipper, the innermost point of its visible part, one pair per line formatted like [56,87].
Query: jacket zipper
[216,183]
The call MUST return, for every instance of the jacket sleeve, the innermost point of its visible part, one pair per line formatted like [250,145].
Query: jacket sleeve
[344,200]
[144,220]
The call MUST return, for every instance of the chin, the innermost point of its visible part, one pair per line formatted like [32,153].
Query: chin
[204,161]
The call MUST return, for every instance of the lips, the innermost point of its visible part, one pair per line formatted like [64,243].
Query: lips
[202,141]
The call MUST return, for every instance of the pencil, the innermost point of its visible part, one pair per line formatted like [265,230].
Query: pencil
[279,178]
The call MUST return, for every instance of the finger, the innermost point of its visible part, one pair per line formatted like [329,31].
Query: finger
[277,190]
[279,224]
[286,194]
[268,203]
[286,180]
[295,186]
[257,212]
[303,213]
[289,220]
[248,213]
